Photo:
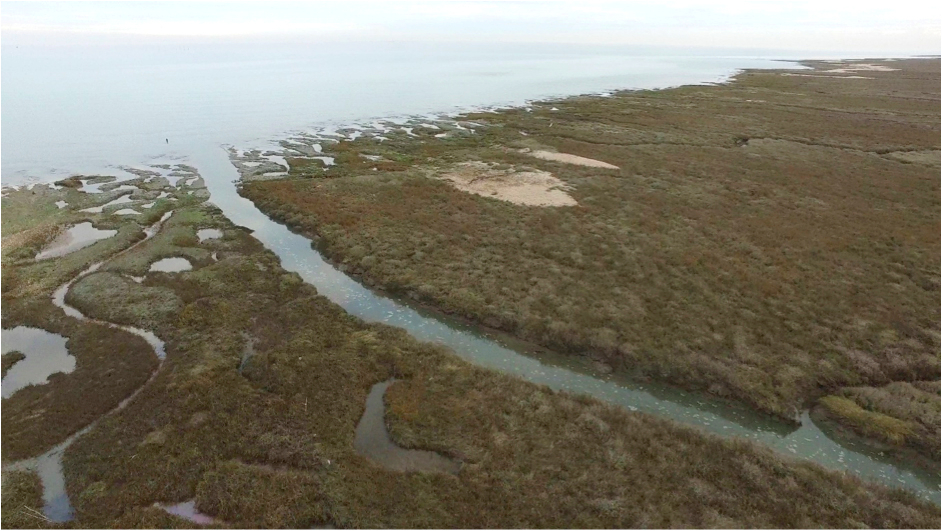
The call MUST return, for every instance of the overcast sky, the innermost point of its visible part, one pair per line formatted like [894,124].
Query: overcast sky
[893,27]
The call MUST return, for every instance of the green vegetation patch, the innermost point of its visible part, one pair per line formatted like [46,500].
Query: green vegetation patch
[899,414]
[872,424]
[118,299]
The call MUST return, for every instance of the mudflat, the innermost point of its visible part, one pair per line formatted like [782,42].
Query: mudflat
[773,240]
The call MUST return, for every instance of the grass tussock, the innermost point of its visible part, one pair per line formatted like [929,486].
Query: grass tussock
[900,414]
[262,496]
[10,359]
[758,242]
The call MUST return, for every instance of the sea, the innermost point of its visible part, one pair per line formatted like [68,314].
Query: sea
[90,108]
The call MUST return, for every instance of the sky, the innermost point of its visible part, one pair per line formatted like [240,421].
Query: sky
[898,27]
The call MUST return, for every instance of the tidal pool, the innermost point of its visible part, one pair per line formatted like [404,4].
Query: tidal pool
[187,510]
[208,234]
[99,209]
[56,504]
[171,265]
[45,355]
[73,239]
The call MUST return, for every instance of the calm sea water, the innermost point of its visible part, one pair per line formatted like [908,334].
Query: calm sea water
[83,109]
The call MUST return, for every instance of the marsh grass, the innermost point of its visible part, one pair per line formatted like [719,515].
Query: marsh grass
[23,502]
[757,242]
[900,414]
[270,442]
[10,359]
[109,365]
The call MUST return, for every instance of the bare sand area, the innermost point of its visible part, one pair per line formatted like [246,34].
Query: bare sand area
[569,159]
[527,187]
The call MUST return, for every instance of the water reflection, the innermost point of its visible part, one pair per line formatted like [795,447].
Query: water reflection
[45,354]
[187,510]
[75,238]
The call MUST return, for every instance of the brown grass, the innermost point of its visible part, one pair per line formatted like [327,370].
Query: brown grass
[10,359]
[756,242]
[900,414]
[272,444]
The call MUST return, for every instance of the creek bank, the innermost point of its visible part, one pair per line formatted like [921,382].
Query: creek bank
[835,429]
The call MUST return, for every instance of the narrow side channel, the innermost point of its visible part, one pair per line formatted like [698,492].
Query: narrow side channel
[373,441]
[48,466]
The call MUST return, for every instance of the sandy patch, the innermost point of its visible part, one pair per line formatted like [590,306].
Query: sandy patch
[862,67]
[569,159]
[531,187]
[928,157]
[788,74]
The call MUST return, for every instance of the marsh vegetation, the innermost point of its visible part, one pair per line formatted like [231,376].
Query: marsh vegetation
[771,240]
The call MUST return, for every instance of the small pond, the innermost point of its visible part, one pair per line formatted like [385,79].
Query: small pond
[45,354]
[372,441]
[208,234]
[171,265]
[73,239]
[187,510]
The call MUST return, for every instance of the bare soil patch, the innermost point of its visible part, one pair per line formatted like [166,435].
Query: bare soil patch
[521,187]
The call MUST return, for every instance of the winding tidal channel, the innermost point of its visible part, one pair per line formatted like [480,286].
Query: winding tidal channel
[56,505]
[556,371]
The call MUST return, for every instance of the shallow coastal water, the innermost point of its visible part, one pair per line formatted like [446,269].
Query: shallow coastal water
[73,239]
[153,103]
